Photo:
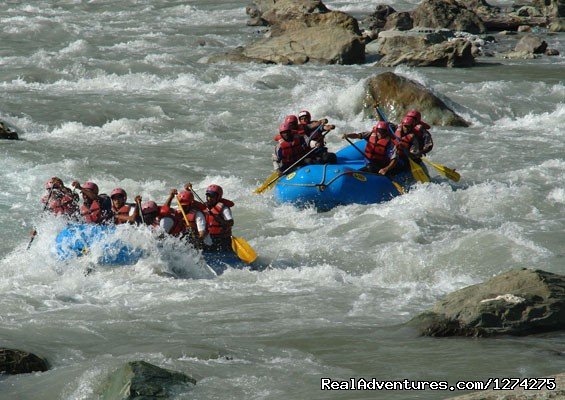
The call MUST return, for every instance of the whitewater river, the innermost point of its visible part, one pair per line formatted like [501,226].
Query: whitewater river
[117,92]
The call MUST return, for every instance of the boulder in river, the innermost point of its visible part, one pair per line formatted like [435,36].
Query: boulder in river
[137,380]
[20,362]
[7,133]
[397,95]
[518,302]
[448,14]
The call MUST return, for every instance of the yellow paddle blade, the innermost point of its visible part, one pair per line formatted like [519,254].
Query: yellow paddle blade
[398,187]
[243,250]
[418,172]
[443,170]
[268,184]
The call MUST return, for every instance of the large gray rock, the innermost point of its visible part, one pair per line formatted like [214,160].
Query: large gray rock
[139,380]
[551,8]
[531,44]
[7,133]
[329,38]
[273,11]
[422,49]
[401,21]
[518,302]
[397,95]
[447,14]
[20,362]
[377,19]
[557,25]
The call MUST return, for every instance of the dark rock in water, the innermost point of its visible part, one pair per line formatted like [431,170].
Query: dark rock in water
[397,95]
[378,18]
[551,52]
[447,14]
[20,362]
[518,302]
[137,380]
[7,133]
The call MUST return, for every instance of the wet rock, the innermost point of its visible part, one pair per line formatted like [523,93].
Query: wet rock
[397,95]
[551,52]
[447,14]
[7,132]
[524,28]
[518,302]
[276,11]
[557,25]
[551,8]
[531,44]
[401,21]
[20,362]
[378,18]
[329,38]
[422,49]
[137,380]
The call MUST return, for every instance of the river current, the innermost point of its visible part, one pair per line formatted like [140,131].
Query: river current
[118,92]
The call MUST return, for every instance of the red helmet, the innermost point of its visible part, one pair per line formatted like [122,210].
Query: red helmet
[291,119]
[119,192]
[54,183]
[186,198]
[284,127]
[149,207]
[305,113]
[91,186]
[408,121]
[380,125]
[415,114]
[215,190]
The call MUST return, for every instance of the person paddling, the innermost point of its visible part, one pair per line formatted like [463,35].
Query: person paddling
[123,212]
[289,149]
[60,200]
[195,232]
[420,129]
[96,208]
[219,219]
[380,153]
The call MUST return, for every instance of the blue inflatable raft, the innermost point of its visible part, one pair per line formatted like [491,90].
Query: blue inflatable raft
[329,185]
[77,240]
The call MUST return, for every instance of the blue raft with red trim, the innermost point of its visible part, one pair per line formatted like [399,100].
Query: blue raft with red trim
[325,186]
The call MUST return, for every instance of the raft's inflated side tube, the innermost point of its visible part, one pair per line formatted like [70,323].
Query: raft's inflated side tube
[76,240]
[326,186]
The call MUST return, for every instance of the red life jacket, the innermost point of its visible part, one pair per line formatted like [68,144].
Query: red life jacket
[124,210]
[299,132]
[92,214]
[375,150]
[404,144]
[292,151]
[61,206]
[213,215]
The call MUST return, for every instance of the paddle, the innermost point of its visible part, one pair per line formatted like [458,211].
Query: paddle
[443,170]
[138,202]
[274,177]
[186,221]
[239,245]
[34,232]
[396,184]
[417,171]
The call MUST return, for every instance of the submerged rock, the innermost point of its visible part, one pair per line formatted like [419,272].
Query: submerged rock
[20,362]
[397,95]
[140,380]
[518,302]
